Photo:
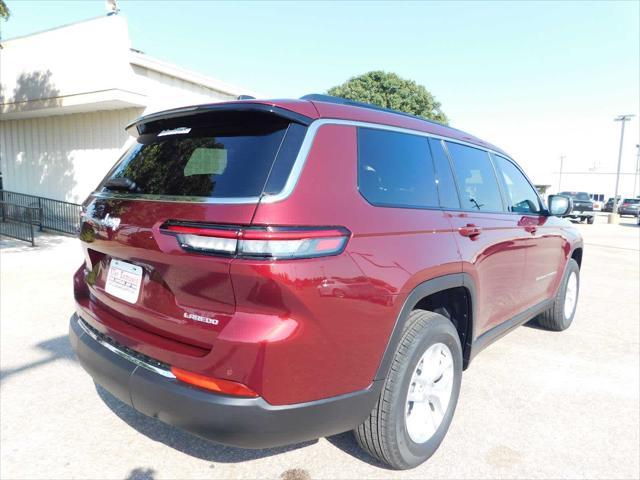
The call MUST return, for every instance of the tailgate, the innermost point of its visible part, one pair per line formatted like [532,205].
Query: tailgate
[206,168]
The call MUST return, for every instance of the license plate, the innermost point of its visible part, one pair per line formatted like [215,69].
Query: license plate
[124,280]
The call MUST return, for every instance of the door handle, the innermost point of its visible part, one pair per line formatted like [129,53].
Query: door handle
[470,230]
[531,229]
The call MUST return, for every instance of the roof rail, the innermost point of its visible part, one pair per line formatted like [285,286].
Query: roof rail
[319,97]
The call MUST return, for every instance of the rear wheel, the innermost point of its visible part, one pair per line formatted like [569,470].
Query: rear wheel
[590,220]
[419,396]
[560,315]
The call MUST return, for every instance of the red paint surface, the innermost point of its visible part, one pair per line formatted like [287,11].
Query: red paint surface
[301,330]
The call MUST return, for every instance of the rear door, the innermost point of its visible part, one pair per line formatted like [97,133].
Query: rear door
[490,240]
[200,170]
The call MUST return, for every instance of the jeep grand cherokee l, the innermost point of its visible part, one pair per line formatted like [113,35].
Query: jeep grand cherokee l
[263,273]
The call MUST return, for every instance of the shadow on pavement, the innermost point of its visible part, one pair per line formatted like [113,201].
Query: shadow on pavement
[183,441]
[141,474]
[348,444]
[58,348]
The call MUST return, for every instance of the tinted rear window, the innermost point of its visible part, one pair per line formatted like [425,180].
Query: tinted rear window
[395,169]
[631,200]
[476,178]
[206,161]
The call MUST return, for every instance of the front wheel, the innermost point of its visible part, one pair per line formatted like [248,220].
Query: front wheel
[560,315]
[590,220]
[419,397]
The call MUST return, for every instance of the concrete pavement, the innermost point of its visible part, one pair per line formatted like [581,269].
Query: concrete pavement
[534,405]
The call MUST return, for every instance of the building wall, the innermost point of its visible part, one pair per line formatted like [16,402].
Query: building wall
[164,91]
[77,59]
[64,156]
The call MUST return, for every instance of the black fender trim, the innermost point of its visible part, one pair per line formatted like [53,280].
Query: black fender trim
[236,421]
[421,291]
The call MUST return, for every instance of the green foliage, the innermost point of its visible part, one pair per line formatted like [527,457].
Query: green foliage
[388,90]
[4,11]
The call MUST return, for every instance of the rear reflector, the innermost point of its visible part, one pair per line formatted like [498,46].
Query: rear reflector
[227,387]
[260,242]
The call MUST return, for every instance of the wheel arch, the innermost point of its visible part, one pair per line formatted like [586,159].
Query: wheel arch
[419,295]
[576,254]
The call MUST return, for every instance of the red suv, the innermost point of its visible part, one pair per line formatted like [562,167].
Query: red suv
[263,273]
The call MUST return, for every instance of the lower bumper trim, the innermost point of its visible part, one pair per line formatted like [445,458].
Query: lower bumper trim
[240,422]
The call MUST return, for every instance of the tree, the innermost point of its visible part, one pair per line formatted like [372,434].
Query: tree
[388,90]
[4,11]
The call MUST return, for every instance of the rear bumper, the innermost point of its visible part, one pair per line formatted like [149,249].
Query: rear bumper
[241,422]
[628,211]
[581,213]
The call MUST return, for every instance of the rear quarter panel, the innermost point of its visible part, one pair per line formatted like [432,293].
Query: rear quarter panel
[345,307]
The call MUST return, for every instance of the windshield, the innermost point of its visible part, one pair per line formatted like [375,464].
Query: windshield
[631,200]
[577,195]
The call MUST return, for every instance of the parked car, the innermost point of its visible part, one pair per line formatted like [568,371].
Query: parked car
[263,273]
[608,207]
[629,206]
[582,206]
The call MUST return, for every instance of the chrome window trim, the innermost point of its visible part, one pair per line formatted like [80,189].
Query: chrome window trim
[175,198]
[125,355]
[310,137]
[296,169]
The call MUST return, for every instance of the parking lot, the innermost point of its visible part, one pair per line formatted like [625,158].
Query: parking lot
[534,405]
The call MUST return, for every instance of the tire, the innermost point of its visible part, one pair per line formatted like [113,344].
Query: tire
[590,220]
[385,434]
[556,318]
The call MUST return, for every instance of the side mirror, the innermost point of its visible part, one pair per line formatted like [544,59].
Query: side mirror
[559,205]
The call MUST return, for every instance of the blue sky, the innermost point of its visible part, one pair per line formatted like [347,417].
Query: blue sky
[539,79]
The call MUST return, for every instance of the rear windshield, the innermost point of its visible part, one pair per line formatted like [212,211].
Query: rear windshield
[215,161]
[631,200]
[577,195]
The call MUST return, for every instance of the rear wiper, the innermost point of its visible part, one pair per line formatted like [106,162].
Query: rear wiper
[121,184]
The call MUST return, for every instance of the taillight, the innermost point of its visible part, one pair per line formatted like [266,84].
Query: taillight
[219,385]
[260,242]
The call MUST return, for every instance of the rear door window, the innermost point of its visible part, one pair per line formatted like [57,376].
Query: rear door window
[395,169]
[204,161]
[476,178]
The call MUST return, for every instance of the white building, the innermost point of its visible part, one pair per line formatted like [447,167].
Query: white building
[66,95]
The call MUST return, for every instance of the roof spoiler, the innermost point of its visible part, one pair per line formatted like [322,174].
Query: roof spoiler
[156,122]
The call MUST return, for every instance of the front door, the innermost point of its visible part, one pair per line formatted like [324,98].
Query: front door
[545,247]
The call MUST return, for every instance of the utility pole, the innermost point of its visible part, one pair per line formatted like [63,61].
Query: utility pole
[635,177]
[562,157]
[613,217]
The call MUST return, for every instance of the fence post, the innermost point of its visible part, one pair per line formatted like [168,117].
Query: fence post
[33,238]
[40,213]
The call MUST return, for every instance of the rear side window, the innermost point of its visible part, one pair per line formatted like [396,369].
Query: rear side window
[217,161]
[395,169]
[444,177]
[476,178]
[522,195]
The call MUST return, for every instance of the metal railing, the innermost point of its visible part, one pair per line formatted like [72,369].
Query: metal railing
[17,221]
[51,214]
